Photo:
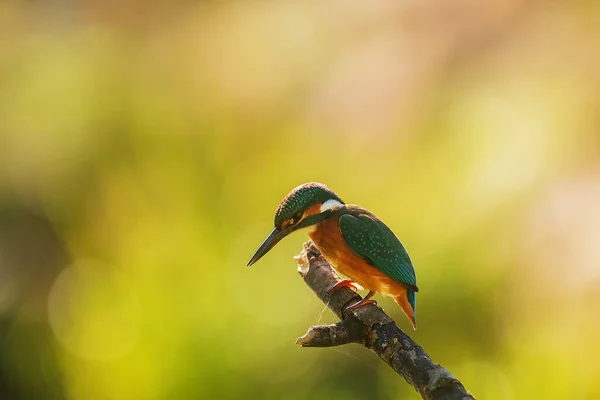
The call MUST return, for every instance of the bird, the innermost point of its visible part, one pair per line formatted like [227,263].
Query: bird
[353,240]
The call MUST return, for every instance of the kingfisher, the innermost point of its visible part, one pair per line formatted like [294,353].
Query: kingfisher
[353,240]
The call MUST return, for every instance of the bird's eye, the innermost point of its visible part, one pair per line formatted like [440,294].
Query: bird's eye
[295,218]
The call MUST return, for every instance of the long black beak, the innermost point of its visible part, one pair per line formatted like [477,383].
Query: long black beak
[268,244]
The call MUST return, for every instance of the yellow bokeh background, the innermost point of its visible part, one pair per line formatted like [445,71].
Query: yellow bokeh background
[144,148]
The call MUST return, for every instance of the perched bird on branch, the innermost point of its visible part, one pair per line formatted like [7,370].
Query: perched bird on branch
[353,240]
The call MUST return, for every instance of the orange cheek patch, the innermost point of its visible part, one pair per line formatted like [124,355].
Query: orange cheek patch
[312,210]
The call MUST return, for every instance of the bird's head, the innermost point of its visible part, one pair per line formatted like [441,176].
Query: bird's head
[304,206]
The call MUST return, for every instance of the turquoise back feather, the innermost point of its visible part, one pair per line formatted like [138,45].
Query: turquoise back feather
[369,238]
[412,299]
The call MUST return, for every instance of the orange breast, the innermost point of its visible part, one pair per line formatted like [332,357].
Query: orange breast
[328,239]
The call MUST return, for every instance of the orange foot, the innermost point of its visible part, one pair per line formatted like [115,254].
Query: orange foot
[362,302]
[349,283]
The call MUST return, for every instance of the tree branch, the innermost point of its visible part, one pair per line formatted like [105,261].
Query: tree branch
[371,327]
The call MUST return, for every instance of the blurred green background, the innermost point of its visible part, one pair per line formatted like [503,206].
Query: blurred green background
[144,147]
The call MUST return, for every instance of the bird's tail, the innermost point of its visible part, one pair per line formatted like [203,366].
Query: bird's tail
[408,304]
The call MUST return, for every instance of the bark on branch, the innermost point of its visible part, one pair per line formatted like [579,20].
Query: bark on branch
[374,329]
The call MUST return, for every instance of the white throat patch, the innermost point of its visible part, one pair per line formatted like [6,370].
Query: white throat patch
[329,204]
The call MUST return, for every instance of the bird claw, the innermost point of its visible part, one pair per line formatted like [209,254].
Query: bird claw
[349,283]
[359,304]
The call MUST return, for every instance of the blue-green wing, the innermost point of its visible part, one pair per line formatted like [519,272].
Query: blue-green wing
[372,240]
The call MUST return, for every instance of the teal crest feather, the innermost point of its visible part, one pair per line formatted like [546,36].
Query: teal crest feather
[301,198]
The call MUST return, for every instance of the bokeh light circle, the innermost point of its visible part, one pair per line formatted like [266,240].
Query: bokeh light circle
[93,311]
